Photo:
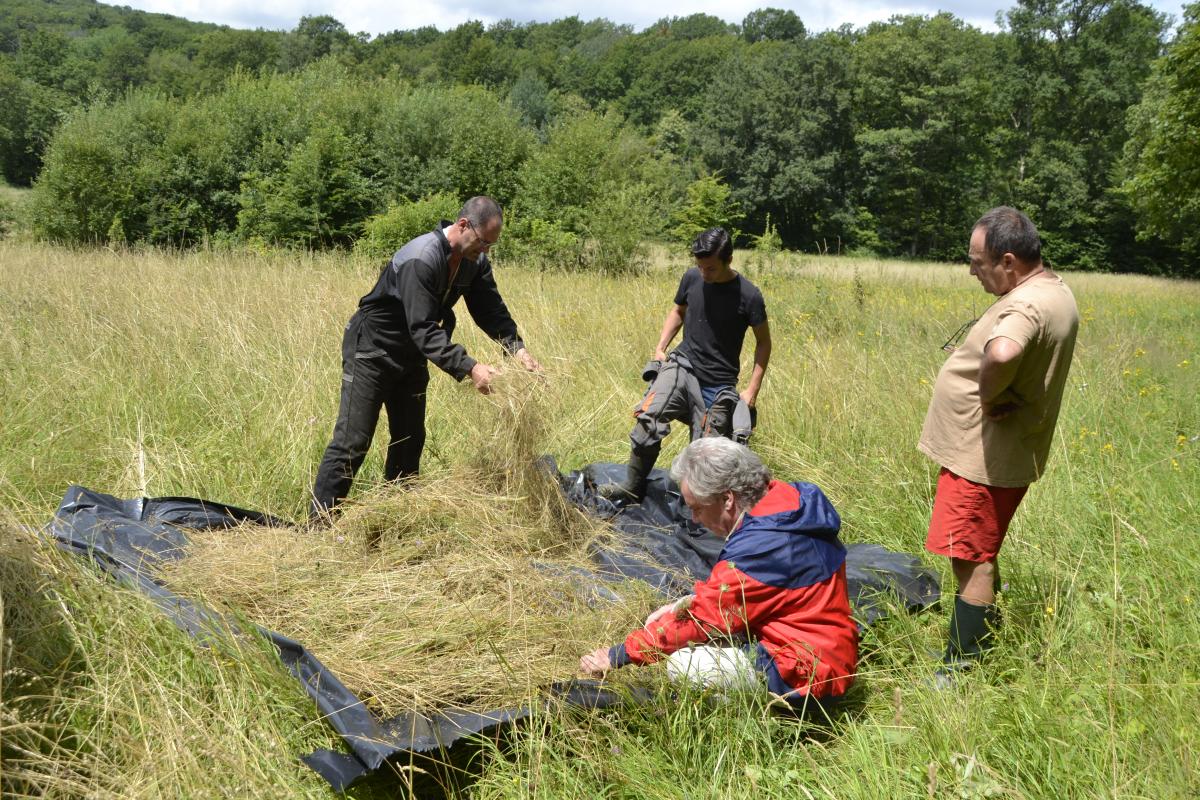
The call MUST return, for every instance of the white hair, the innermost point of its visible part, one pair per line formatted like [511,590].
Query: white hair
[715,465]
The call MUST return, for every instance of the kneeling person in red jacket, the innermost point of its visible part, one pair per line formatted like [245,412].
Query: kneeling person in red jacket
[780,580]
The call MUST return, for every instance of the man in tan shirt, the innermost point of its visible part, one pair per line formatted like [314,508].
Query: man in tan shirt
[991,419]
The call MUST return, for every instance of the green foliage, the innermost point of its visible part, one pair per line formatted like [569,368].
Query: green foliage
[299,160]
[221,53]
[313,39]
[772,24]
[1162,157]
[888,138]
[766,246]
[384,234]
[319,199]
[709,204]
[924,131]
[693,26]
[675,76]
[29,113]
[8,216]
[598,181]
[546,245]
[777,123]
[86,183]
[1074,68]
[462,140]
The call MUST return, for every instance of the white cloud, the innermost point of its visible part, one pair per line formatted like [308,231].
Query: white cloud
[381,16]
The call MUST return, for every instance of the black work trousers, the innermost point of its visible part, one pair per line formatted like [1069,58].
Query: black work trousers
[371,381]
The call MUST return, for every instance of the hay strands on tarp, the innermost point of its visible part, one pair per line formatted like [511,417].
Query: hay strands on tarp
[130,539]
[657,543]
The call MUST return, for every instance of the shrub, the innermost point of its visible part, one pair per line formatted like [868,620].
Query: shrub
[464,141]
[767,245]
[598,181]
[8,217]
[319,199]
[86,183]
[709,204]
[545,244]
[385,233]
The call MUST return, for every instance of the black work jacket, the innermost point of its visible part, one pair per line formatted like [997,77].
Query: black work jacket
[409,315]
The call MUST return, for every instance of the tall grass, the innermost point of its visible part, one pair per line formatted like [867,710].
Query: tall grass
[216,375]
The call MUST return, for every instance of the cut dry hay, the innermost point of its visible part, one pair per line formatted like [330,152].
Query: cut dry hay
[457,590]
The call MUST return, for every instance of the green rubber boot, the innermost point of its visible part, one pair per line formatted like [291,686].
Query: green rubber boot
[633,488]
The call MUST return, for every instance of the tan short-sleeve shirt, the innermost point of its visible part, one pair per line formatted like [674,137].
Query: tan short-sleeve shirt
[1041,316]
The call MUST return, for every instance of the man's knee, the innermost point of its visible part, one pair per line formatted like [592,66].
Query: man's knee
[976,579]
[649,430]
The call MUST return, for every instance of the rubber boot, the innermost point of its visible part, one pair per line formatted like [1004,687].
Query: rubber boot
[971,629]
[970,632]
[633,488]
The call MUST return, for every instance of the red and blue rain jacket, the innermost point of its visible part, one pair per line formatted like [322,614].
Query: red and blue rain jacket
[780,580]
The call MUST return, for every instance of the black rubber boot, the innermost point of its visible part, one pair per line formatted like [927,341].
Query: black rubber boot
[633,488]
[970,636]
[970,632]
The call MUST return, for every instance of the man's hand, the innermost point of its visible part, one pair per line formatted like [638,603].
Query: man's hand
[668,609]
[749,397]
[481,376]
[672,608]
[660,355]
[595,664]
[527,360]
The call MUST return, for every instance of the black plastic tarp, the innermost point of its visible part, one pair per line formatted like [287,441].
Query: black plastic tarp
[657,542]
[665,548]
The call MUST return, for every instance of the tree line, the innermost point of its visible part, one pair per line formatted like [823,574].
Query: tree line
[888,139]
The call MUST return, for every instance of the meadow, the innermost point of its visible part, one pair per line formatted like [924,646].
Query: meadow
[215,375]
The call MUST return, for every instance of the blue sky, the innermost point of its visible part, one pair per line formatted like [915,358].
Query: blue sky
[380,16]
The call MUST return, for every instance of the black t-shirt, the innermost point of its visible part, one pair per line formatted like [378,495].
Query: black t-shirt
[715,324]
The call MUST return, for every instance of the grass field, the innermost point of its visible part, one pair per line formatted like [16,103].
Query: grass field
[215,375]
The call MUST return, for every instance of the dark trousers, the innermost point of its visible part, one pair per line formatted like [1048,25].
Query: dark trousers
[370,381]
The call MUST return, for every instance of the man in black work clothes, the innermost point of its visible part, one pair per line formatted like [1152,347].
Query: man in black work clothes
[405,321]
[697,382]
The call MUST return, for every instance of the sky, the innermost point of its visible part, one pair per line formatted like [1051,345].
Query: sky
[381,16]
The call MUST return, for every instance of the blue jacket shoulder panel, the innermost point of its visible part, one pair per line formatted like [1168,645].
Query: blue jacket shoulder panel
[794,544]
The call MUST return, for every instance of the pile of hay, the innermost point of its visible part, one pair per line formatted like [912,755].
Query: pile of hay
[458,590]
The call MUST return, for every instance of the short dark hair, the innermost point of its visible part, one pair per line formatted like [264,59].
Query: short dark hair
[714,242]
[480,210]
[1007,230]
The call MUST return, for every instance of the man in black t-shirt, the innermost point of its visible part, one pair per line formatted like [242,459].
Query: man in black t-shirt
[697,382]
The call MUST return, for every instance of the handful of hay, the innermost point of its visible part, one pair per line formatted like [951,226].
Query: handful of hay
[459,590]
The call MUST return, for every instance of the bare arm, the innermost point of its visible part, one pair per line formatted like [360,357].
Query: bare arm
[762,356]
[1001,358]
[671,326]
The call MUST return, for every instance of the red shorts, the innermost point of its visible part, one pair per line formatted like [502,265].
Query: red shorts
[970,519]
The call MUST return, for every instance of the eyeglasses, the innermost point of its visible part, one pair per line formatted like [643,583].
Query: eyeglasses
[484,243]
[956,338]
